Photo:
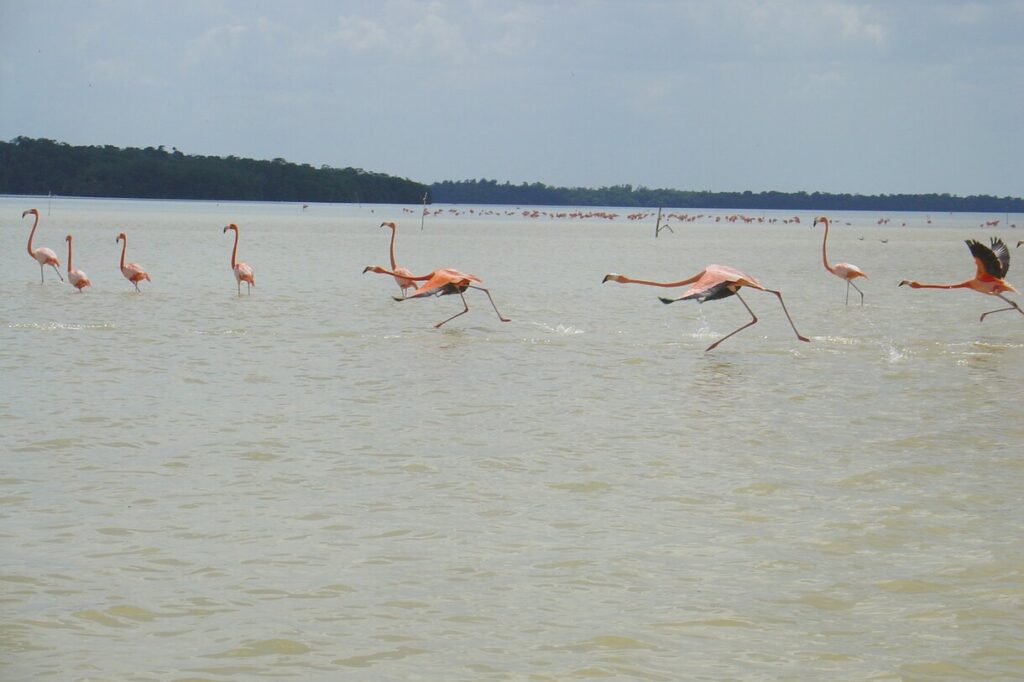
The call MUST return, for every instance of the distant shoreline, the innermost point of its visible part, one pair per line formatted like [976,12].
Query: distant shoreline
[40,167]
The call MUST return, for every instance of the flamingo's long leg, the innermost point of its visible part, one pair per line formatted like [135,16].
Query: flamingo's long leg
[847,292]
[1013,306]
[850,282]
[503,319]
[466,310]
[783,303]
[753,320]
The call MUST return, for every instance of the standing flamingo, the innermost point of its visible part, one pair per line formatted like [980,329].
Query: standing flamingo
[43,255]
[441,282]
[710,284]
[846,271]
[992,264]
[243,271]
[77,278]
[402,274]
[132,272]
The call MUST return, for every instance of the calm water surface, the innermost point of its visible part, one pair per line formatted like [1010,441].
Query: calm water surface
[314,483]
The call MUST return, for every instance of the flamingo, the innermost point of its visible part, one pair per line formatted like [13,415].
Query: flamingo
[78,279]
[243,271]
[710,284]
[846,271]
[992,265]
[132,272]
[402,274]
[441,282]
[43,255]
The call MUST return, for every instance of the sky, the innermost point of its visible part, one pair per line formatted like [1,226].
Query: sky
[839,96]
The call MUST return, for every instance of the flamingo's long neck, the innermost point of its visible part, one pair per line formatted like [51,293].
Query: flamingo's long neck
[234,251]
[32,234]
[824,239]
[69,256]
[961,285]
[630,280]
[382,271]
[393,262]
[124,247]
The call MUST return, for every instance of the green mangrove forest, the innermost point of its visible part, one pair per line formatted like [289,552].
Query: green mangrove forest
[40,167]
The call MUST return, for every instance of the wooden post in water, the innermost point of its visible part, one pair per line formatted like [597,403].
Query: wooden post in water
[658,227]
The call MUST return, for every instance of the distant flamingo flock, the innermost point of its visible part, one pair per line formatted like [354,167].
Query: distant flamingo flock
[712,283]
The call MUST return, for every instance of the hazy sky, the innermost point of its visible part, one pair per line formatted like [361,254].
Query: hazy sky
[789,95]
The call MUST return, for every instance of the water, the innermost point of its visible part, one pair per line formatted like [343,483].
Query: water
[314,483]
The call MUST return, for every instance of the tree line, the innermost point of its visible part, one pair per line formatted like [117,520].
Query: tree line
[491,192]
[40,166]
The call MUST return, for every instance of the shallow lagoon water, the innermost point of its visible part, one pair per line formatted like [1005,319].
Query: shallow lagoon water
[314,483]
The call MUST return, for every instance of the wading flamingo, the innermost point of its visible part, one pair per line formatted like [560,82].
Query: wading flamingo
[710,284]
[992,265]
[846,271]
[77,278]
[243,271]
[43,255]
[402,275]
[441,282]
[132,272]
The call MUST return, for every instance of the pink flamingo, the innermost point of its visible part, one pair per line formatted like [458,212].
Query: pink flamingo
[77,278]
[132,272]
[441,282]
[846,271]
[992,264]
[710,284]
[402,274]
[243,271]
[43,255]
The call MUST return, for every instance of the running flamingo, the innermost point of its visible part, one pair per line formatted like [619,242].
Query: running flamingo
[710,284]
[402,274]
[77,278]
[992,265]
[132,272]
[43,255]
[243,271]
[846,271]
[441,282]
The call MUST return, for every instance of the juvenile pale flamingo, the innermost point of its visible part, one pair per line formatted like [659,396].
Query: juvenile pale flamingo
[710,284]
[243,271]
[441,282]
[77,278]
[992,264]
[43,255]
[402,275]
[132,272]
[846,271]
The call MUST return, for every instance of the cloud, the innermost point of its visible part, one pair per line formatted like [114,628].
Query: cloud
[212,42]
[855,23]
[403,30]
[360,34]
